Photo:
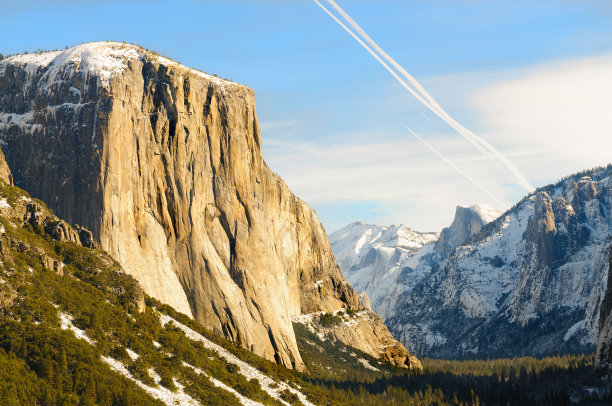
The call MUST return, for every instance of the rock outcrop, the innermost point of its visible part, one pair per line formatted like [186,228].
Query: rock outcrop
[163,163]
[467,223]
[603,357]
[363,330]
[5,172]
[364,300]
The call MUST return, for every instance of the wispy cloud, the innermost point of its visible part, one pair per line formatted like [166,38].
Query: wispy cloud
[552,119]
[418,91]
[563,107]
[273,125]
[398,176]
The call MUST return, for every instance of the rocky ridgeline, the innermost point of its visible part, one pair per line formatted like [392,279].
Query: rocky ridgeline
[527,283]
[163,163]
[530,283]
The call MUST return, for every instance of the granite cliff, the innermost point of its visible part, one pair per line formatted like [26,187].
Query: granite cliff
[467,223]
[163,163]
[603,357]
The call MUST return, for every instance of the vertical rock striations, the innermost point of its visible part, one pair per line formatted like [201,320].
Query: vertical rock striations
[467,223]
[163,163]
[603,357]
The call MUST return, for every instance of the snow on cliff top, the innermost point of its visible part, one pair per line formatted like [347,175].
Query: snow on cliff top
[104,59]
[486,213]
[352,238]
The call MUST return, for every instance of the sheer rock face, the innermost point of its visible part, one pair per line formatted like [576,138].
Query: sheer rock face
[467,223]
[603,358]
[163,163]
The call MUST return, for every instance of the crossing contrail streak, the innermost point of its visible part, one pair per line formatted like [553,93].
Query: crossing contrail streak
[462,173]
[375,55]
[419,92]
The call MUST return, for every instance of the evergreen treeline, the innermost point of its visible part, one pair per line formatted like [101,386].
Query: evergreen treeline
[554,380]
[522,381]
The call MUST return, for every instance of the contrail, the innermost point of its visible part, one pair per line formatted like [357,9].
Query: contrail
[375,55]
[422,95]
[465,175]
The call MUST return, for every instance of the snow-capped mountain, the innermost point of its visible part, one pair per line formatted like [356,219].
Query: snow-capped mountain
[468,222]
[529,282]
[373,257]
[386,262]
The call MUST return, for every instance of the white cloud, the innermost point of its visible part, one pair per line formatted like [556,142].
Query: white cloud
[551,119]
[273,125]
[409,182]
[564,108]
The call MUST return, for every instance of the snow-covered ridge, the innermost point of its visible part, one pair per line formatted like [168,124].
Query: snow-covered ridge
[373,257]
[543,263]
[101,59]
[487,213]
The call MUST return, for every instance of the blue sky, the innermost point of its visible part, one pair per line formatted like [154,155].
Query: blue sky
[333,119]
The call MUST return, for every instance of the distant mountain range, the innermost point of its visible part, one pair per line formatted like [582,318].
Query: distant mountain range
[528,282]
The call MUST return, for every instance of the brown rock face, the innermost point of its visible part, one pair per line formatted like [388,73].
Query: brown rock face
[5,172]
[358,333]
[163,164]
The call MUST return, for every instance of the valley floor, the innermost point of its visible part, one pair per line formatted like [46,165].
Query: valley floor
[558,380]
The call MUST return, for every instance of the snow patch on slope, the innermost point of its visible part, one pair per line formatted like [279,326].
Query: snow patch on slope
[243,400]
[367,365]
[160,393]
[66,324]
[249,372]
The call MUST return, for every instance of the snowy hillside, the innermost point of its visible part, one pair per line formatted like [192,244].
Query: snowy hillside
[530,282]
[387,262]
[373,258]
